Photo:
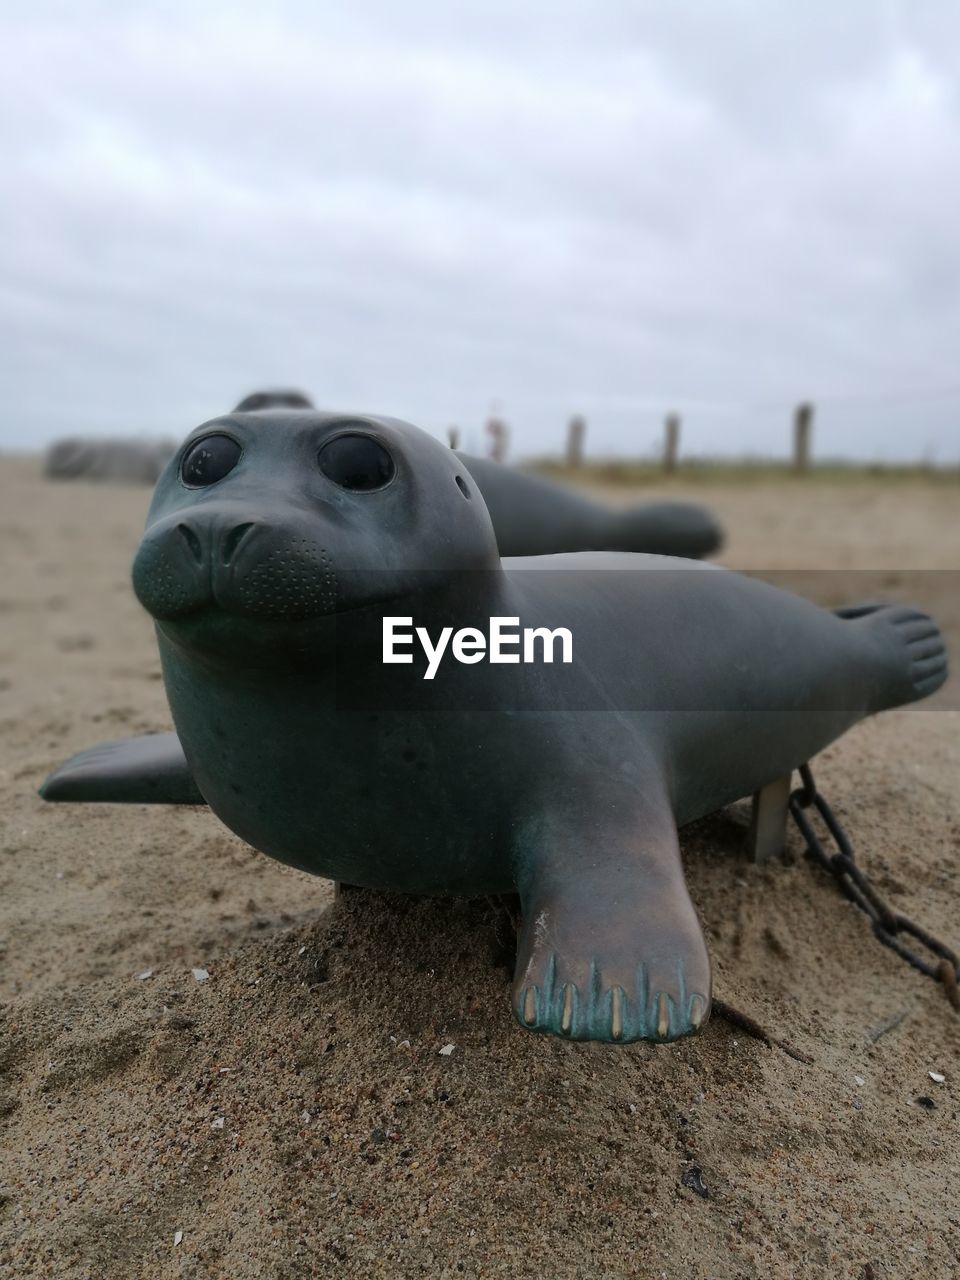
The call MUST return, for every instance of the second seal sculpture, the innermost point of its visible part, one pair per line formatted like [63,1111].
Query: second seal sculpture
[276,545]
[533,516]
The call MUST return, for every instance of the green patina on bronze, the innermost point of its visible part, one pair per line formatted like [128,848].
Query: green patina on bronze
[275,544]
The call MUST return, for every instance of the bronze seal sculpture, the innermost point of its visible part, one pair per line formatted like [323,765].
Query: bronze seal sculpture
[535,517]
[282,547]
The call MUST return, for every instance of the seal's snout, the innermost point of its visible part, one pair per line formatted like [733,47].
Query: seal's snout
[219,541]
[189,536]
[222,558]
[233,538]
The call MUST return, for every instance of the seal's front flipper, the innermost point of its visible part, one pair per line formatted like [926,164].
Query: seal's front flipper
[610,948]
[151,769]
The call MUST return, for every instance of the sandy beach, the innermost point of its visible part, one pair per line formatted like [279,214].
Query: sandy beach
[346,1092]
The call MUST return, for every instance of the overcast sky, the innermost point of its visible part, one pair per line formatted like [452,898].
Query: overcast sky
[429,209]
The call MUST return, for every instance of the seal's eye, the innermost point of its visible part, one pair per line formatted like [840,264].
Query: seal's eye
[356,462]
[209,460]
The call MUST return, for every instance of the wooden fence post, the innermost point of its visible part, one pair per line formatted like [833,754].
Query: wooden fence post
[497,431]
[802,425]
[576,428]
[671,442]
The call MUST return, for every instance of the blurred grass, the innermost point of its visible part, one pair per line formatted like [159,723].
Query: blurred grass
[738,471]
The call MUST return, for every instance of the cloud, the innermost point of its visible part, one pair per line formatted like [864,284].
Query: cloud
[425,208]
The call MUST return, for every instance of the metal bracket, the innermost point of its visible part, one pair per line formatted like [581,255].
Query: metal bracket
[768,820]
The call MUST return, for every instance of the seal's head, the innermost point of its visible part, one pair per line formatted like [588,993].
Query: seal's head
[274,398]
[266,524]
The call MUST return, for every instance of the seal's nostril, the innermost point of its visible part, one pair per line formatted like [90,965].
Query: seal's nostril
[231,542]
[192,541]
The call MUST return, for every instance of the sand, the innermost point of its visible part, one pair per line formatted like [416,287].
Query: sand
[293,1114]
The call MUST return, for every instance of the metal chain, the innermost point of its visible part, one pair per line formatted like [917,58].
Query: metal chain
[887,923]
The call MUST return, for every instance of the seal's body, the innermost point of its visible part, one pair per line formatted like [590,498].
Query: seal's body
[273,551]
[533,516]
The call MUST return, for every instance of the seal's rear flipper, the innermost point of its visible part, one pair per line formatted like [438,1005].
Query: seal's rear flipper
[151,769]
[860,610]
[665,528]
[915,657]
